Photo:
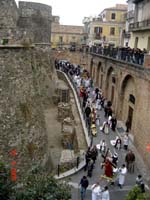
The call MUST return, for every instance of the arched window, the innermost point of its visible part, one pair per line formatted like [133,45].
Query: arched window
[132,98]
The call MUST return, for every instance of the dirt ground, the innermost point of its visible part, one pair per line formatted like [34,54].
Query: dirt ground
[54,131]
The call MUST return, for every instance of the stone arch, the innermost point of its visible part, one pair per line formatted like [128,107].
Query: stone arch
[98,73]
[91,65]
[101,77]
[110,89]
[94,70]
[128,100]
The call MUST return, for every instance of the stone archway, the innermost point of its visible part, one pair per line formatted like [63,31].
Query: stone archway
[110,84]
[91,65]
[98,73]
[128,100]
[101,78]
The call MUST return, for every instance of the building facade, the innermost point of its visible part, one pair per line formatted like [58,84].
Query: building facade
[107,27]
[129,19]
[66,35]
[140,28]
[127,87]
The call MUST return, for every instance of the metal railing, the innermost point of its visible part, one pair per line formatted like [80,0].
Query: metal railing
[122,54]
[81,104]
[140,25]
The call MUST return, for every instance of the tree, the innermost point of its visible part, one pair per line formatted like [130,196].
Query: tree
[37,185]
[136,194]
[5,182]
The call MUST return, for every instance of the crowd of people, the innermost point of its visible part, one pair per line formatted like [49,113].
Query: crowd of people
[127,54]
[93,101]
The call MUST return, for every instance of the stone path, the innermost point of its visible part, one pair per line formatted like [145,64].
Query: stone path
[115,192]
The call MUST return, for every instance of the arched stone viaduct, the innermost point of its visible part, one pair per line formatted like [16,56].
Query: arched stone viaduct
[128,87]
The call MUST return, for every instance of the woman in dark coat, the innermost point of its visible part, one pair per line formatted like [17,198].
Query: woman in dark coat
[113,123]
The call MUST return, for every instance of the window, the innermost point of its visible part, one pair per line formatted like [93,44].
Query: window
[98,30]
[113,16]
[113,80]
[132,98]
[136,42]
[112,31]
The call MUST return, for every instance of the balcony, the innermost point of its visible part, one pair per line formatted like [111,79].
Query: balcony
[130,14]
[97,36]
[139,26]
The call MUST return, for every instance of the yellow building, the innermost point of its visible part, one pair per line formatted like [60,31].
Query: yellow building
[66,35]
[107,28]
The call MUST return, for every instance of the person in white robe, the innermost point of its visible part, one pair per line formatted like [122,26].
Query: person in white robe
[102,146]
[109,120]
[96,190]
[126,141]
[106,128]
[122,174]
[98,104]
[105,194]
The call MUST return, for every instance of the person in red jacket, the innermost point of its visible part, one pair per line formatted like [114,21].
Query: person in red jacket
[108,169]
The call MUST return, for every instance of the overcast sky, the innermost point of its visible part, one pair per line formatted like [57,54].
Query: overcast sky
[72,12]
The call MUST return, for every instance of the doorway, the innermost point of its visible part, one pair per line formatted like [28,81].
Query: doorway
[148,44]
[130,117]
[112,93]
[136,42]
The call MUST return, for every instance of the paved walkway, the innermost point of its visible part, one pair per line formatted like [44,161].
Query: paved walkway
[115,192]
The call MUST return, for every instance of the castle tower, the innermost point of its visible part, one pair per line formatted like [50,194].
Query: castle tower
[8,18]
[35,19]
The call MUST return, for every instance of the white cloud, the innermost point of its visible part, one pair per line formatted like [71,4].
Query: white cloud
[72,12]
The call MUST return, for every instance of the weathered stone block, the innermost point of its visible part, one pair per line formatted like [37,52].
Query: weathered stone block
[67,160]
[64,111]
[68,133]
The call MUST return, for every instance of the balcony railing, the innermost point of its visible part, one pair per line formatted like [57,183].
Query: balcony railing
[143,25]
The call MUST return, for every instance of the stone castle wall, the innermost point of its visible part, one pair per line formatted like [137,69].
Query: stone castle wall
[29,20]
[27,84]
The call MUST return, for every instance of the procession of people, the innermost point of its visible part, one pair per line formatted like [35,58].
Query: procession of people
[93,103]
